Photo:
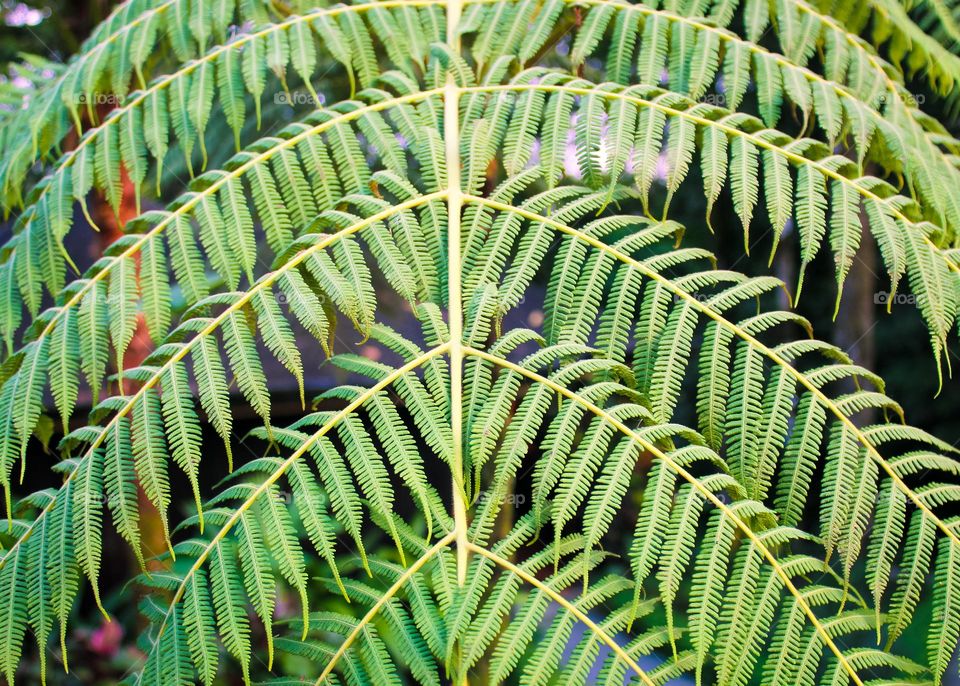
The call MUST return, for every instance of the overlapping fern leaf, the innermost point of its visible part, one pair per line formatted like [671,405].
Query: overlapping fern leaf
[461,488]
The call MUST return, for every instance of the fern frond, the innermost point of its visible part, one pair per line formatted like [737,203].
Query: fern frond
[798,447]
[477,471]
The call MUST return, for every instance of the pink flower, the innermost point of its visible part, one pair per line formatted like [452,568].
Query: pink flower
[105,640]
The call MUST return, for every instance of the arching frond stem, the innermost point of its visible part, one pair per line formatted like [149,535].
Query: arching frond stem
[704,492]
[759,346]
[451,135]
[265,282]
[851,40]
[383,600]
[566,605]
[238,43]
[264,487]
[117,114]
[209,191]
[892,87]
[728,130]
[121,30]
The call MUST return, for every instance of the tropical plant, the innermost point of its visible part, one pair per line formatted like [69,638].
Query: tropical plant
[668,461]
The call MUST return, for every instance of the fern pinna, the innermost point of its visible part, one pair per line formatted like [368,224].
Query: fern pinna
[785,522]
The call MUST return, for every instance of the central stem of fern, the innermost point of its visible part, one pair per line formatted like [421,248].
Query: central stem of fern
[451,131]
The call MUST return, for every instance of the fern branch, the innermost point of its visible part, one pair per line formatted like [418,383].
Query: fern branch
[454,193]
[617,649]
[116,116]
[754,139]
[382,600]
[275,475]
[892,88]
[939,319]
[935,15]
[769,353]
[106,267]
[706,493]
[265,282]
[117,27]
[942,64]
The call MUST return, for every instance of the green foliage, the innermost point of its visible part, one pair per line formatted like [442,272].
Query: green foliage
[782,520]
